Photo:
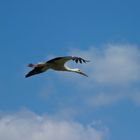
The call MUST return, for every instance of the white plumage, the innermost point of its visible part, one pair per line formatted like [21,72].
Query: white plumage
[57,64]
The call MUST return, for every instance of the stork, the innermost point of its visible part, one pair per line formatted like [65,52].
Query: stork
[57,64]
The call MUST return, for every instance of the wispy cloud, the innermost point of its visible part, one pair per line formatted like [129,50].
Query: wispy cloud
[112,64]
[102,99]
[30,126]
[114,73]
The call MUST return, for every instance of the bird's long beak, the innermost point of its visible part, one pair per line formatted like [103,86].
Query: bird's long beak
[83,74]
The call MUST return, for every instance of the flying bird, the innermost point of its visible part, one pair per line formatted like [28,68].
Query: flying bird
[57,64]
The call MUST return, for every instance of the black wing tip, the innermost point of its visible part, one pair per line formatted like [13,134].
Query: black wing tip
[79,59]
[30,74]
[26,76]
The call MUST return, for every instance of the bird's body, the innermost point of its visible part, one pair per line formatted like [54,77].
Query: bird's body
[57,64]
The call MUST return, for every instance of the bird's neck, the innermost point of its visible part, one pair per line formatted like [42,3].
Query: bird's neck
[71,69]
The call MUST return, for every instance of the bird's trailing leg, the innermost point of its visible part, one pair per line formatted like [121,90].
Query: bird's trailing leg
[31,65]
[35,65]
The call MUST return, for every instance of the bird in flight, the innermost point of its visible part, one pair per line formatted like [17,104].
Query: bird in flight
[57,64]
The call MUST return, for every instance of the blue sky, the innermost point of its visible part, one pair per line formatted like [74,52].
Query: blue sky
[104,106]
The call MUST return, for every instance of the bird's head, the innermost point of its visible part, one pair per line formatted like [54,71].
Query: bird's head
[80,72]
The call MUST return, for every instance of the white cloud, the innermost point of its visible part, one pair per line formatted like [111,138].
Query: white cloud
[119,65]
[29,126]
[114,73]
[112,64]
[102,99]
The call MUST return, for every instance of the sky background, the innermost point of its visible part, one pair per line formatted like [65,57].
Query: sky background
[67,106]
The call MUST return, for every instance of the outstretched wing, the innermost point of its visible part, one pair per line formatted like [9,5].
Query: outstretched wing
[33,72]
[63,60]
[37,70]
[79,59]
